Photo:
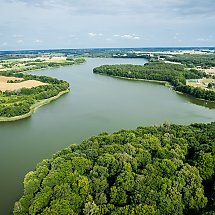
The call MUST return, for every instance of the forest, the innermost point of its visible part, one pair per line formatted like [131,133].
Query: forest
[19,102]
[193,60]
[175,74]
[160,170]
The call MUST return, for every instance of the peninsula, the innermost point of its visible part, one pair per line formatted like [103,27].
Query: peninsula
[21,93]
[178,75]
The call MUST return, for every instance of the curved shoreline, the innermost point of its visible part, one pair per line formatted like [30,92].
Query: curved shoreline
[165,83]
[33,108]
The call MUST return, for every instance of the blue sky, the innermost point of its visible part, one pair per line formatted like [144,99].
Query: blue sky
[43,24]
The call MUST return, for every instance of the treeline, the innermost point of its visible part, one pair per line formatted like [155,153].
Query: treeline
[131,55]
[160,170]
[19,102]
[175,74]
[193,60]
[40,64]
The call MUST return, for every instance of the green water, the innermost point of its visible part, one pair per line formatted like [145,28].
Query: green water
[95,104]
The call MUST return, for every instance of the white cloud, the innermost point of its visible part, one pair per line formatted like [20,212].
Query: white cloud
[95,34]
[20,41]
[110,23]
[92,34]
[179,7]
[202,39]
[127,36]
[38,41]
[4,44]
[18,36]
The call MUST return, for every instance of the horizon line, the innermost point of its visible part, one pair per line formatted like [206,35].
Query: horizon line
[90,48]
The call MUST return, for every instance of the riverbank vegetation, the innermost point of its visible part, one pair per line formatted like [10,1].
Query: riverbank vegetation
[175,74]
[18,102]
[19,92]
[166,169]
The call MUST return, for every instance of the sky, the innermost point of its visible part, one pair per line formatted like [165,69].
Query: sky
[51,24]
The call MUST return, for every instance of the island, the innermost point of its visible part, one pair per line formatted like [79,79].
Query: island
[179,76]
[22,93]
[167,169]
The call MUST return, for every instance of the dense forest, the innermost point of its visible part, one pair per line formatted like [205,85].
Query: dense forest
[19,102]
[175,74]
[159,170]
[193,60]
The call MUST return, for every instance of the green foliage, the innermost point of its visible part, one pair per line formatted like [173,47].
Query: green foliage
[167,169]
[38,64]
[19,102]
[191,60]
[175,74]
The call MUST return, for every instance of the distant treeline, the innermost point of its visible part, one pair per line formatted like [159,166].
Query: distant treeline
[40,64]
[19,102]
[175,74]
[131,55]
[193,60]
[158,170]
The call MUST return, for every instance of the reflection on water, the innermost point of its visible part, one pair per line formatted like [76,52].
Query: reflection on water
[207,104]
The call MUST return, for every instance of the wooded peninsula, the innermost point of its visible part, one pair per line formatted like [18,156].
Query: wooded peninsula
[22,93]
[175,74]
[158,170]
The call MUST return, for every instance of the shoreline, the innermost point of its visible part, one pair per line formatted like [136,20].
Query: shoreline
[165,83]
[49,67]
[33,108]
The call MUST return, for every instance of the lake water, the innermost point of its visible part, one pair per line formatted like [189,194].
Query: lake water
[95,104]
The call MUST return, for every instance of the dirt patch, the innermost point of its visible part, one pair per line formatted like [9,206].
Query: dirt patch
[210,71]
[53,59]
[16,86]
[203,83]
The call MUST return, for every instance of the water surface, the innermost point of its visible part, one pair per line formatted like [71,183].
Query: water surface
[95,104]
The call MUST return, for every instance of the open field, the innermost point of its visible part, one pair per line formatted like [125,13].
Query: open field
[178,52]
[202,83]
[16,86]
[4,79]
[37,63]
[44,58]
[210,71]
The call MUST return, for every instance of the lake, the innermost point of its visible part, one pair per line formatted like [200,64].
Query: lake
[95,104]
